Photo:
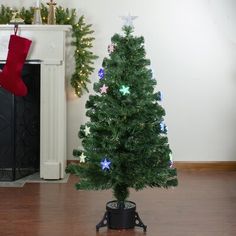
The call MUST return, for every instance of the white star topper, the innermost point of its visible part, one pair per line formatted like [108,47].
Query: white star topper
[128,20]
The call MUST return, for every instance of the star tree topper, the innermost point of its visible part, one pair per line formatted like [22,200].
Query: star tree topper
[128,20]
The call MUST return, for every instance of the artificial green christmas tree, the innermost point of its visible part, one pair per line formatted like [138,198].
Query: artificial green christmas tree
[125,142]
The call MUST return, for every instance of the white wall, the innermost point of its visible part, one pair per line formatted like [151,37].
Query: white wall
[192,47]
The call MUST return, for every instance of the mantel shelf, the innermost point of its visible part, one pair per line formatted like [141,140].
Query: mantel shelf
[37,27]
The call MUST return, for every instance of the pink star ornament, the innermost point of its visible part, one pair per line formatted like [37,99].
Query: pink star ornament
[103,89]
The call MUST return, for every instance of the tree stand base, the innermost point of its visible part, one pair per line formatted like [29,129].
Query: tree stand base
[117,217]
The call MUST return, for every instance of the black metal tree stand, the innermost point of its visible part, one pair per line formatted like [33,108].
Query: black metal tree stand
[121,217]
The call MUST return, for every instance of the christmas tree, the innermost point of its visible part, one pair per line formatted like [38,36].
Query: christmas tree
[125,142]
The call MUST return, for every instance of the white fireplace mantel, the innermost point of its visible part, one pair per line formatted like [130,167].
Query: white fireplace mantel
[48,49]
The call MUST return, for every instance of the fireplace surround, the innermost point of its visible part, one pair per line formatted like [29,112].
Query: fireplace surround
[48,49]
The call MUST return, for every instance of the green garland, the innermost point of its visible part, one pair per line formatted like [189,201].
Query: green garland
[84,58]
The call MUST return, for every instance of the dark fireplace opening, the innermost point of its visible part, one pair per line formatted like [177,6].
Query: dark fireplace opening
[20,128]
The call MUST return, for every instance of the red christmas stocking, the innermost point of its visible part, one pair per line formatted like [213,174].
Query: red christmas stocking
[10,76]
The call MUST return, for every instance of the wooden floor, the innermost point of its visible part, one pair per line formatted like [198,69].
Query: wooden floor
[204,204]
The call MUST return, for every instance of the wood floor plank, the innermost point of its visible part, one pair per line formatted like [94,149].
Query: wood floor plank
[204,204]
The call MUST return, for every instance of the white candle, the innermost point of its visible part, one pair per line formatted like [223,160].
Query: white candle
[38,3]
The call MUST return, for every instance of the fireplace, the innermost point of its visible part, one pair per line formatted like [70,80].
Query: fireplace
[48,50]
[20,128]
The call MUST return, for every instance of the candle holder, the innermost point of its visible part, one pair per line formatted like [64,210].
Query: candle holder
[37,20]
[51,12]
[16,19]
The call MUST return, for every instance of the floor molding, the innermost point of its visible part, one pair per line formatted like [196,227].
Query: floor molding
[214,165]
[192,165]
[72,162]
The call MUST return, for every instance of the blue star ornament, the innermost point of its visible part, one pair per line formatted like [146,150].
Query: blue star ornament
[162,126]
[105,164]
[101,73]
[124,90]
[128,20]
[161,96]
[153,74]
[171,160]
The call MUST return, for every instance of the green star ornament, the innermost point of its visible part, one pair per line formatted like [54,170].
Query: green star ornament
[124,90]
